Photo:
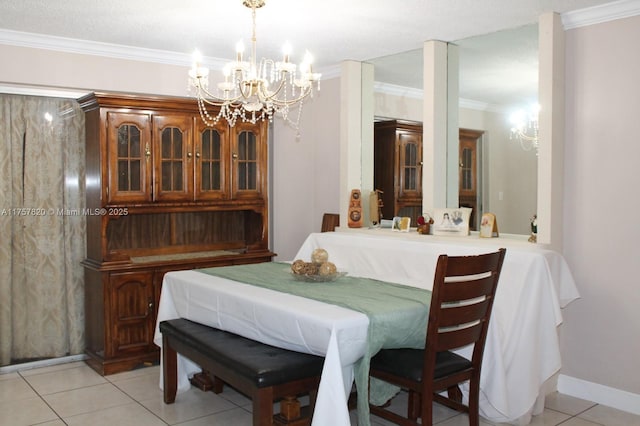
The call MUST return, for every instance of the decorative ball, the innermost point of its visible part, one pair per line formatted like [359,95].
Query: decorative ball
[327,268]
[298,266]
[319,256]
[310,269]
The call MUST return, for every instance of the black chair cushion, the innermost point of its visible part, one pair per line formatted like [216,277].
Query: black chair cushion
[407,363]
[263,364]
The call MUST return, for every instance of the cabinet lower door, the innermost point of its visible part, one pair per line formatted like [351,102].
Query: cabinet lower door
[133,313]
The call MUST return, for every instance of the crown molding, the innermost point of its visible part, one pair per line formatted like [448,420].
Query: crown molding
[599,14]
[395,90]
[109,50]
[52,92]
[409,92]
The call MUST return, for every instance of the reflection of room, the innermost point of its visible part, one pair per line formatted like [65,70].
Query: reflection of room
[498,74]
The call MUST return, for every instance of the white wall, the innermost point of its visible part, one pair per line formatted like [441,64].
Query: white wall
[600,337]
[40,67]
[306,172]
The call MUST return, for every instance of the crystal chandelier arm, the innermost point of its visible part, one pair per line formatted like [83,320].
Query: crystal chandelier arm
[214,100]
[272,97]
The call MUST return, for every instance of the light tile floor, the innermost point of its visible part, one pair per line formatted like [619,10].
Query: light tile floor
[73,394]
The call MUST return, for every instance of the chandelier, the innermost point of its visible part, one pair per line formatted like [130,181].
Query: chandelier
[525,127]
[252,90]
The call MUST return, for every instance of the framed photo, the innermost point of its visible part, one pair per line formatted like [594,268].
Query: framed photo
[405,223]
[401,224]
[451,221]
[488,226]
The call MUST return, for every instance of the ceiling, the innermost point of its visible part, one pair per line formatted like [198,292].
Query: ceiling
[333,30]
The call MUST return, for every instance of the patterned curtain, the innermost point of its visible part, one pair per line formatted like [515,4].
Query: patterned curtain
[42,228]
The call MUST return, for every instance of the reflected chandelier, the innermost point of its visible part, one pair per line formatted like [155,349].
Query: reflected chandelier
[253,90]
[525,127]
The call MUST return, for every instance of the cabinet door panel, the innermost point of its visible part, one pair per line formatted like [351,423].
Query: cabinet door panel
[248,159]
[129,157]
[410,165]
[212,162]
[173,144]
[133,312]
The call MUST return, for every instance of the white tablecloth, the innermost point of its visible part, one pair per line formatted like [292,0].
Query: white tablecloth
[274,318]
[522,349]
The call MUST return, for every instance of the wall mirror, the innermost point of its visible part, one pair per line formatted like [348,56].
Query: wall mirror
[498,75]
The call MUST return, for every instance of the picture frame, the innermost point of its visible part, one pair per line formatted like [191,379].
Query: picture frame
[405,224]
[488,226]
[401,224]
[451,221]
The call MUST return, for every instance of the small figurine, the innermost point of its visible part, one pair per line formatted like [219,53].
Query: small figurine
[424,224]
[534,229]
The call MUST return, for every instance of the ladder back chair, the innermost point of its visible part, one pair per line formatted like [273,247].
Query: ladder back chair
[461,302]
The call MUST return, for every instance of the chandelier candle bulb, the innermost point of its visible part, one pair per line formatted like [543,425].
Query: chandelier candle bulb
[239,51]
[286,50]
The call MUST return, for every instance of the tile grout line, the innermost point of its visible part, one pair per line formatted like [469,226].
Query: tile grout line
[136,400]
[41,398]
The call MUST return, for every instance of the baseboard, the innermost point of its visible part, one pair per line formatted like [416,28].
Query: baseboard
[43,363]
[605,395]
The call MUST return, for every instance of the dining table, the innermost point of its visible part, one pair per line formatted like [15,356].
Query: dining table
[522,352]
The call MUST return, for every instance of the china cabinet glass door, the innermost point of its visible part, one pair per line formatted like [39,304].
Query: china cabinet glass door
[212,157]
[410,159]
[173,158]
[248,151]
[129,153]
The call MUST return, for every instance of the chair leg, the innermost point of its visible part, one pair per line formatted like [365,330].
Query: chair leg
[474,401]
[426,403]
[413,411]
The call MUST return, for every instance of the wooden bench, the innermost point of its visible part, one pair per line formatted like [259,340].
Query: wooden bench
[264,373]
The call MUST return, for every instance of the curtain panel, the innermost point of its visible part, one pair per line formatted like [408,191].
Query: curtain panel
[42,227]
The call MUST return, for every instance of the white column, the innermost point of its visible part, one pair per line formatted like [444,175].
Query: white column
[356,135]
[551,130]
[440,126]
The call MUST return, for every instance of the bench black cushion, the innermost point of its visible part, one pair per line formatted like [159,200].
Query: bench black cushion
[262,364]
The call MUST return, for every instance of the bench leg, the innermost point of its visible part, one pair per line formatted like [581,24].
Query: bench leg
[263,407]
[291,414]
[169,371]
[290,408]
[218,385]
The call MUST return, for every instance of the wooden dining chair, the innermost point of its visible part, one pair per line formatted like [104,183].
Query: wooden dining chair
[329,222]
[462,297]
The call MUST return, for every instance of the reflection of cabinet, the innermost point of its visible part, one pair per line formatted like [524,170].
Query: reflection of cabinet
[398,168]
[468,173]
[175,194]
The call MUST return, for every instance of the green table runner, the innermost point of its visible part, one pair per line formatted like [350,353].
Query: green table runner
[397,313]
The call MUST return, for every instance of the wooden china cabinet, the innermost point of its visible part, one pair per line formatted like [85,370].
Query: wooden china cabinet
[164,192]
[397,158]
